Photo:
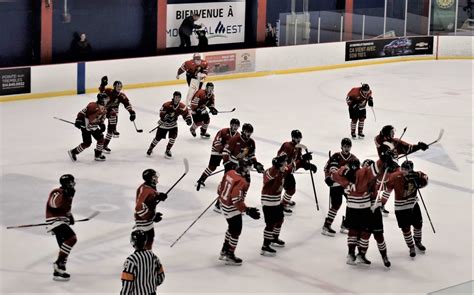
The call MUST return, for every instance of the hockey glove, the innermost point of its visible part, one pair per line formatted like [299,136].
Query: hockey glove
[104,81]
[371,102]
[79,124]
[161,196]
[259,167]
[307,156]
[133,116]
[71,219]
[253,212]
[189,121]
[355,106]
[311,167]
[423,146]
[157,217]
[213,110]
[328,180]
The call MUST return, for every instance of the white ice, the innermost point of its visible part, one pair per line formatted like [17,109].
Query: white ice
[424,96]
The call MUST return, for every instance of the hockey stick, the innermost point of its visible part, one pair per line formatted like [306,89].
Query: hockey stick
[63,120]
[373,112]
[154,129]
[220,112]
[441,132]
[302,146]
[186,169]
[195,220]
[426,210]
[216,172]
[136,129]
[94,214]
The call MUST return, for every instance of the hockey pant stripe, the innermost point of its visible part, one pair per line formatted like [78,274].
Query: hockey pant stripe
[79,148]
[276,231]
[286,197]
[417,235]
[363,244]
[353,127]
[208,171]
[408,239]
[382,246]
[331,215]
[361,126]
[100,147]
[268,235]
[204,127]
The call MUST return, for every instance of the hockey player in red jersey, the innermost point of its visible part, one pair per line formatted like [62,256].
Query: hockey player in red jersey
[357,182]
[390,149]
[272,203]
[145,205]
[232,192]
[357,99]
[221,139]
[90,121]
[169,113]
[406,183]
[240,147]
[203,99]
[294,157]
[59,219]
[336,191]
[196,73]
[116,97]
[386,142]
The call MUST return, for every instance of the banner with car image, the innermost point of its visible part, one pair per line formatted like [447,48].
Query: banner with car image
[377,48]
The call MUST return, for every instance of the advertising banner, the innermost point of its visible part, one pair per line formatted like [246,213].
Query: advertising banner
[228,62]
[223,22]
[15,81]
[377,48]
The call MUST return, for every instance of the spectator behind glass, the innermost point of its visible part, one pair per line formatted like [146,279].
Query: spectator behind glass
[186,29]
[80,47]
[270,36]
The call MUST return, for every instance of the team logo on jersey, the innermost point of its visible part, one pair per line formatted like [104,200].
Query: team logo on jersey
[445,4]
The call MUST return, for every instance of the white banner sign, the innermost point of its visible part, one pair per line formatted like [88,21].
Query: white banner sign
[224,22]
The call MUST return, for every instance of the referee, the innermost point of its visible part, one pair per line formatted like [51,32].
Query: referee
[142,271]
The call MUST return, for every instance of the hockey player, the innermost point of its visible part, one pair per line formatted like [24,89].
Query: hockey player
[272,203]
[336,191]
[203,99]
[357,99]
[406,184]
[232,192]
[169,113]
[356,182]
[116,97]
[145,205]
[389,149]
[386,142]
[90,121]
[376,219]
[142,271]
[240,147]
[59,218]
[298,160]
[196,73]
[221,139]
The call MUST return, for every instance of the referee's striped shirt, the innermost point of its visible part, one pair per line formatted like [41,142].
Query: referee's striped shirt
[142,273]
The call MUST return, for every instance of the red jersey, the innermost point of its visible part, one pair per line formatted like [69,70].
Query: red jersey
[405,190]
[115,99]
[355,96]
[232,192]
[58,208]
[273,185]
[237,148]
[293,154]
[169,114]
[201,100]
[399,147]
[145,207]
[336,161]
[93,114]
[358,196]
[220,140]
[192,69]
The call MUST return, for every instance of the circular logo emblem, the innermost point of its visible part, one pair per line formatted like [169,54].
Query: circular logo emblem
[445,4]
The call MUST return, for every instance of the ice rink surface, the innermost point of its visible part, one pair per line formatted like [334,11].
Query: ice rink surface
[424,96]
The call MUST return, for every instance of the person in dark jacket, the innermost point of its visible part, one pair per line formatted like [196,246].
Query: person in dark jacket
[80,47]
[186,29]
